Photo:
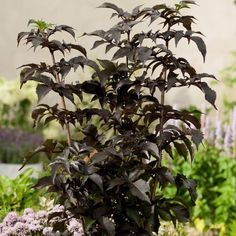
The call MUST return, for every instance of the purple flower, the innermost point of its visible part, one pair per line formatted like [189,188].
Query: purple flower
[228,142]
[58,208]
[28,211]
[47,231]
[218,134]
[28,218]
[20,229]
[233,125]
[35,227]
[74,225]
[41,214]
[10,219]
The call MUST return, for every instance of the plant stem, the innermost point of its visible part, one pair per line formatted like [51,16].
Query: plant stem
[164,77]
[67,125]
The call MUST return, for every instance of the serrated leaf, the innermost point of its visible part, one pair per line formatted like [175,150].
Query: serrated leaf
[210,94]
[20,36]
[189,184]
[97,179]
[112,6]
[99,33]
[42,90]
[98,43]
[143,54]
[49,119]
[68,29]
[43,182]
[152,148]
[181,149]
[108,225]
[201,45]
[181,212]
[99,157]
[155,15]
[139,189]
[116,182]
[178,36]
[189,145]
[121,52]
[134,215]
[106,64]
[136,10]
[109,47]
[78,48]
[197,136]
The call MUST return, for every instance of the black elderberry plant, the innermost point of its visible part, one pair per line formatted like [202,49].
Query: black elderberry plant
[113,177]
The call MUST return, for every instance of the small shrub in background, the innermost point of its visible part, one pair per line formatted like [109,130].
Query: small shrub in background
[115,184]
[15,110]
[14,144]
[18,194]
[215,174]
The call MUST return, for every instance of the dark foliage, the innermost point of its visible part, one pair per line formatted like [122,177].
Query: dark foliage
[114,182]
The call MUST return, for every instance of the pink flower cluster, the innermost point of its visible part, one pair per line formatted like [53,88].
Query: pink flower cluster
[38,223]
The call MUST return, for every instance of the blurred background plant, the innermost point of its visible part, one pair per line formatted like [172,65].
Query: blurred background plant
[18,194]
[15,106]
[17,137]
[214,169]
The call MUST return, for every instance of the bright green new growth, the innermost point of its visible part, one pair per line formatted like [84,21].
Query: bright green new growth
[41,25]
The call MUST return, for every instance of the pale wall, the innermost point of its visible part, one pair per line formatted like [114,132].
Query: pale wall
[216,19]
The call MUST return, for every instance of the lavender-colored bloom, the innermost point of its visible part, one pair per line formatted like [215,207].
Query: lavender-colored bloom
[78,234]
[228,140]
[7,231]
[74,225]
[233,125]
[35,227]
[218,134]
[28,218]
[28,211]
[57,208]
[10,219]
[20,229]
[47,231]
[41,214]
